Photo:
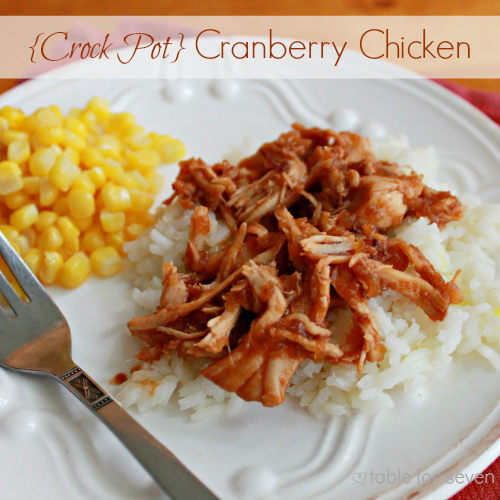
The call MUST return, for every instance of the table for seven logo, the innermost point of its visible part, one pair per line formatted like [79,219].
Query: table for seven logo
[390,477]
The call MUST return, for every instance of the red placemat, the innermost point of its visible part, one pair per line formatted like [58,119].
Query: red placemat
[487,491]
[487,102]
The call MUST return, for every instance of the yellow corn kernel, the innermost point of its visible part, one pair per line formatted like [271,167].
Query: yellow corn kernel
[145,159]
[16,200]
[24,217]
[92,157]
[31,185]
[63,173]
[76,126]
[83,181]
[100,107]
[60,207]
[109,145]
[141,200]
[74,113]
[35,143]
[14,116]
[124,180]
[144,218]
[10,177]
[50,239]
[67,228]
[30,124]
[75,142]
[112,168]
[8,136]
[135,130]
[57,150]
[169,149]
[45,117]
[45,219]
[116,198]
[33,259]
[138,141]
[41,161]
[48,192]
[57,112]
[24,169]
[84,223]
[50,135]
[66,254]
[90,120]
[81,203]
[134,231]
[50,266]
[75,270]
[99,203]
[111,154]
[121,122]
[18,151]
[112,222]
[71,246]
[22,244]
[92,139]
[9,232]
[116,240]
[93,239]
[155,181]
[130,179]
[4,124]
[139,180]
[72,155]
[97,176]
[31,236]
[106,261]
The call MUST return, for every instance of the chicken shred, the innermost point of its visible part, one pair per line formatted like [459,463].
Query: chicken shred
[308,215]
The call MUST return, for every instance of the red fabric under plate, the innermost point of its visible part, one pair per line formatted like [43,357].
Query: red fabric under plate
[487,102]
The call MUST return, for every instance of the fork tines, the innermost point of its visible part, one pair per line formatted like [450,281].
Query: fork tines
[22,273]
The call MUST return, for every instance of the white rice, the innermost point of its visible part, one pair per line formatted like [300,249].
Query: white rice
[416,347]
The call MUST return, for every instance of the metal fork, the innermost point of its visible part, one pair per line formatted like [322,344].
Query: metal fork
[38,340]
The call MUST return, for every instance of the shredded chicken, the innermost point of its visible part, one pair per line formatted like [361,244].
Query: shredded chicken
[308,215]
[195,257]
[352,292]
[438,206]
[220,327]
[174,289]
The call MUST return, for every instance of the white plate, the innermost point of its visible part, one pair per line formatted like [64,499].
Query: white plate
[53,448]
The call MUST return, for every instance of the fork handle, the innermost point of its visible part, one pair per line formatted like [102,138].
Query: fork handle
[173,477]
